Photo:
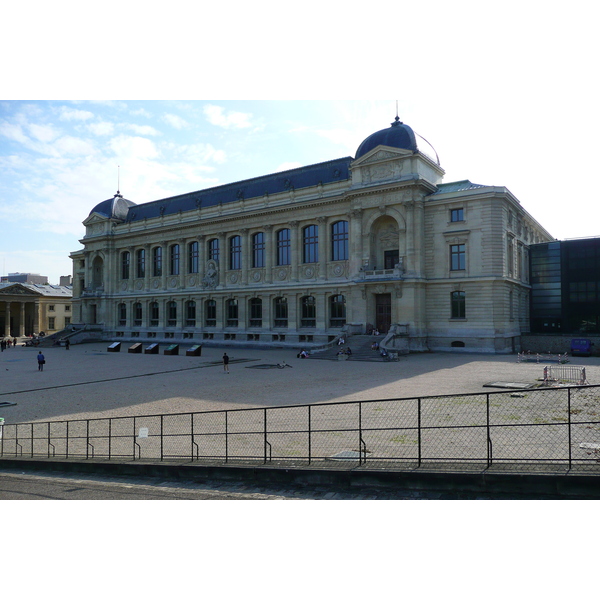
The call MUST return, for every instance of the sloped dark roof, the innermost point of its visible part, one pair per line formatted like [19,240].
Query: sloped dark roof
[303,177]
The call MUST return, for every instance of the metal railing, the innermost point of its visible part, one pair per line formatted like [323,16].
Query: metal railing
[559,426]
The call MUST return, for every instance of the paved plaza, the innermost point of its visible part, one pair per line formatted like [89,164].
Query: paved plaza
[87,381]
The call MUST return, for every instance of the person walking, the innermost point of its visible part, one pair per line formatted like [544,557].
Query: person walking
[226,363]
[67,344]
[41,361]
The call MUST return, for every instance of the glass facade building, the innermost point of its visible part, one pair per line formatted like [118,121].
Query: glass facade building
[565,290]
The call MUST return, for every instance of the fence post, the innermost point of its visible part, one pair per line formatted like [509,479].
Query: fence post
[87,439]
[67,442]
[32,440]
[419,428]
[309,436]
[487,427]
[226,436]
[109,437]
[569,424]
[265,434]
[161,437]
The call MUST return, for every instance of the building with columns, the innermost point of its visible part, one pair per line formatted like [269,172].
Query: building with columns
[28,308]
[297,257]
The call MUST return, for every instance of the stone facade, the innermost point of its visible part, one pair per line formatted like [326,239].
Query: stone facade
[300,256]
[26,309]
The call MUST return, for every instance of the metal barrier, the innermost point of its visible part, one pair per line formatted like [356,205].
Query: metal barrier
[571,374]
[542,426]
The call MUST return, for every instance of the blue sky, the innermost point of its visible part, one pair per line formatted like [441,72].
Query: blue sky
[505,97]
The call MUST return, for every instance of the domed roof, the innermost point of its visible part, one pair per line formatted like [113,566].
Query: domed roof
[398,135]
[114,208]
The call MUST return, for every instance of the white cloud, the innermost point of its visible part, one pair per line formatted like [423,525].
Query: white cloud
[101,128]
[216,116]
[43,133]
[74,114]
[142,129]
[175,121]
[133,147]
[13,132]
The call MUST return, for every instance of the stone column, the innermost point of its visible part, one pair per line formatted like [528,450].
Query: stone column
[4,333]
[323,247]
[201,259]
[22,320]
[223,255]
[355,242]
[147,266]
[246,250]
[270,249]
[296,247]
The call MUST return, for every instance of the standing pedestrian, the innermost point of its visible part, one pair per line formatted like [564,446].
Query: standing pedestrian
[67,344]
[226,363]
[41,361]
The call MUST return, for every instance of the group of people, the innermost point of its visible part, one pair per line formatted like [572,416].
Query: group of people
[8,343]
[345,351]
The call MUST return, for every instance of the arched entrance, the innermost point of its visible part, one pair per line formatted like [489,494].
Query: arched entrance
[387,243]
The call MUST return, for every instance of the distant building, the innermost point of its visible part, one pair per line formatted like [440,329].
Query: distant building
[27,308]
[298,257]
[24,278]
[565,287]
[66,280]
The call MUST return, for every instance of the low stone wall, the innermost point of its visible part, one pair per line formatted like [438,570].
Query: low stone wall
[555,344]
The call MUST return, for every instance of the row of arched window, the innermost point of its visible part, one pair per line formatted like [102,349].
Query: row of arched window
[282,252]
[192,318]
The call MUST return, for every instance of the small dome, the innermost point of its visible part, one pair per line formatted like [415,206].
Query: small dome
[114,208]
[398,135]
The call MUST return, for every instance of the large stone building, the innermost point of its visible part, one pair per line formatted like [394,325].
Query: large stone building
[374,241]
[28,308]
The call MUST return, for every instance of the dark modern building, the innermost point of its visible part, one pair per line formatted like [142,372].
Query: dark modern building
[565,287]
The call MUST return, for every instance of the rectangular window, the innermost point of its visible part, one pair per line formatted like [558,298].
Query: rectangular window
[213,249]
[51,307]
[255,312]
[67,321]
[174,260]
[51,321]
[141,264]
[456,215]
[210,308]
[457,257]
[310,242]
[68,308]
[125,260]
[235,253]
[339,241]
[232,313]
[283,247]
[157,261]
[193,257]
[457,305]
[258,250]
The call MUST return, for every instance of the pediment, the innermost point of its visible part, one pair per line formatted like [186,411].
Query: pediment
[94,218]
[17,290]
[381,153]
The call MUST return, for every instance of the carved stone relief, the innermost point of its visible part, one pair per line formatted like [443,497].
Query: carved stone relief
[211,275]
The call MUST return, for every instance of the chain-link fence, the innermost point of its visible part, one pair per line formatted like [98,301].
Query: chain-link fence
[542,426]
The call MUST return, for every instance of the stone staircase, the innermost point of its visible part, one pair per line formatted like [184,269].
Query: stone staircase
[360,346]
